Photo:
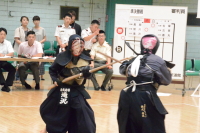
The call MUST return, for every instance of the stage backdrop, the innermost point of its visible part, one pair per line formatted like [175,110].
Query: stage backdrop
[166,22]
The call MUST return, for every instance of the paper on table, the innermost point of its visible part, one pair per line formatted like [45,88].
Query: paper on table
[48,57]
[6,57]
[36,57]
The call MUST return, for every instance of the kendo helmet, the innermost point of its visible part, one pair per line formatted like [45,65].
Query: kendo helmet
[75,45]
[149,44]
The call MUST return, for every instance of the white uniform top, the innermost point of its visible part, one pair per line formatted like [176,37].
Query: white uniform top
[24,48]
[85,33]
[105,48]
[64,33]
[6,47]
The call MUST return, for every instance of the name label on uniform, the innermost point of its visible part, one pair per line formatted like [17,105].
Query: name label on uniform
[143,110]
[64,96]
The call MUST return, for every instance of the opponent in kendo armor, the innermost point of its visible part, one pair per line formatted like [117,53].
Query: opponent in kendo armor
[66,109]
[140,109]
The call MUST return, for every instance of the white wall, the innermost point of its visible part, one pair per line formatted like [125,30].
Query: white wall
[192,32]
[49,14]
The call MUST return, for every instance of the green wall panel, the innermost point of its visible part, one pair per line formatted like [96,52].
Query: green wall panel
[111,14]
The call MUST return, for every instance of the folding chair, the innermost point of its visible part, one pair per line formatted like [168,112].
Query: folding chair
[109,86]
[47,46]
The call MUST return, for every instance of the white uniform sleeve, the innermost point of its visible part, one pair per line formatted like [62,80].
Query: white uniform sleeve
[84,34]
[57,31]
[74,32]
[10,48]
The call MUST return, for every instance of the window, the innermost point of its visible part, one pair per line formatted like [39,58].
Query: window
[192,20]
[65,9]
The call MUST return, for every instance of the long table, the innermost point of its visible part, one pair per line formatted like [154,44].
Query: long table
[28,59]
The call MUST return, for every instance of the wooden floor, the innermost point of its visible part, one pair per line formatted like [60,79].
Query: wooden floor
[19,109]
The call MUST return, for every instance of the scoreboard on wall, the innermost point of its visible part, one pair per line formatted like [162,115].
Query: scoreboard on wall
[167,23]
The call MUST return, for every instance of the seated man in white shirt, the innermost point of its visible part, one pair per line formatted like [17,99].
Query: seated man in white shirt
[100,60]
[30,48]
[6,50]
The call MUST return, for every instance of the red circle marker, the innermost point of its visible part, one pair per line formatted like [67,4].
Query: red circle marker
[119,30]
[123,37]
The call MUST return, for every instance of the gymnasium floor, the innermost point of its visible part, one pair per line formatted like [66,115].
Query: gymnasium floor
[19,109]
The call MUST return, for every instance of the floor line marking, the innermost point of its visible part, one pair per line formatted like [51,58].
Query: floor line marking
[190,105]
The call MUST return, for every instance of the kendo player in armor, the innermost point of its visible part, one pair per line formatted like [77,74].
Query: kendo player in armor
[140,109]
[66,109]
